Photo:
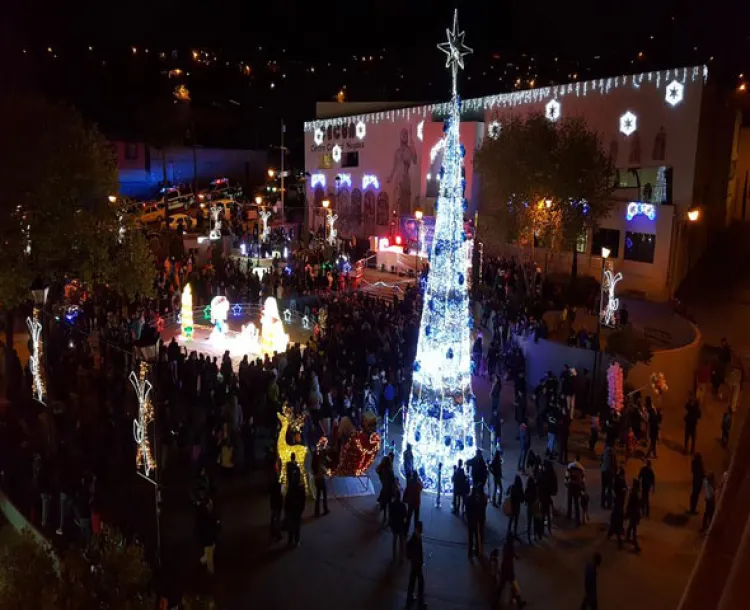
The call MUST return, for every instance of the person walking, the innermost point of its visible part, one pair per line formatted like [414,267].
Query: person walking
[514,500]
[692,415]
[459,485]
[654,424]
[496,470]
[508,575]
[608,466]
[699,473]
[575,481]
[472,519]
[633,513]
[532,506]
[415,554]
[320,469]
[709,493]
[398,524]
[590,600]
[647,480]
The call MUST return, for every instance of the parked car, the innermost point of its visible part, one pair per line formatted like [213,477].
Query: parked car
[152,212]
[187,222]
[220,188]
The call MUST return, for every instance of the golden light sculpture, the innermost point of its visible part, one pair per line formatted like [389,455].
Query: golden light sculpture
[186,312]
[144,457]
[36,358]
[288,419]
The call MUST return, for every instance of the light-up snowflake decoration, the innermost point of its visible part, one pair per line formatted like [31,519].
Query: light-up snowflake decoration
[144,457]
[360,130]
[552,110]
[675,93]
[318,136]
[36,357]
[493,130]
[336,153]
[628,123]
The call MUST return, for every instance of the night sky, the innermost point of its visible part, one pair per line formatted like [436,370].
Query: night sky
[258,63]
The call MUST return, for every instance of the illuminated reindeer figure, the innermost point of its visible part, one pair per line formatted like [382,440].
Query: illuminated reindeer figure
[285,451]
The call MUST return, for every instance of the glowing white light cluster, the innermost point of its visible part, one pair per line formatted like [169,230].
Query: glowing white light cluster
[318,180]
[36,357]
[440,426]
[675,93]
[360,130]
[601,86]
[264,216]
[331,231]
[345,180]
[273,337]
[336,153]
[613,303]
[552,110]
[493,130]
[287,316]
[144,457]
[420,131]
[628,123]
[436,149]
[370,180]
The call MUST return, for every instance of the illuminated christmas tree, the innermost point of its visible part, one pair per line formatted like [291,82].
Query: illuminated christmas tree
[440,422]
[186,312]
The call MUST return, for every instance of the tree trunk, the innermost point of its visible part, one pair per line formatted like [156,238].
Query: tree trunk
[573,274]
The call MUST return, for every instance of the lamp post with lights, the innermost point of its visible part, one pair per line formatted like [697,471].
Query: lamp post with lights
[693,216]
[418,215]
[326,203]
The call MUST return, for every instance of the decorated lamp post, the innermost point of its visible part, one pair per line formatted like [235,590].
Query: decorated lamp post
[331,230]
[36,357]
[326,204]
[264,216]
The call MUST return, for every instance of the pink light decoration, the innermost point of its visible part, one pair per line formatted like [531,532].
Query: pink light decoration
[614,384]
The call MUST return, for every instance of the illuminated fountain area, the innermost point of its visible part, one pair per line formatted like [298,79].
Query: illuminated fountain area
[239,328]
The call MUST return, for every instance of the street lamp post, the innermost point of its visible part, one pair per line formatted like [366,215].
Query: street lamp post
[693,216]
[418,215]
[597,354]
[326,205]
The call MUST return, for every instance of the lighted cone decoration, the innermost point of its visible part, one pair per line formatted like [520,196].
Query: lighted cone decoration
[614,384]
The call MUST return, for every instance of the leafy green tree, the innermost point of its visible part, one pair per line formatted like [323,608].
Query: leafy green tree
[56,217]
[543,180]
[109,573]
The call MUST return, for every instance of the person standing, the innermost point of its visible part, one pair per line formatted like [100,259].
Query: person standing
[654,423]
[524,439]
[415,554]
[699,473]
[496,470]
[408,461]
[515,495]
[320,469]
[692,415]
[709,493]
[608,466]
[459,483]
[472,518]
[508,574]
[532,505]
[633,513]
[413,499]
[398,524]
[575,480]
[647,480]
[589,583]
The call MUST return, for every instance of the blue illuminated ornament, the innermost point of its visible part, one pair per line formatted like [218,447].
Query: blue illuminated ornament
[441,409]
[236,309]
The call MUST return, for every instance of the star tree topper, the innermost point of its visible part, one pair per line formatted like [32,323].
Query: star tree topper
[454,48]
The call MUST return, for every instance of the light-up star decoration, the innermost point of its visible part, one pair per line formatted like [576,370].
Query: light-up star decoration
[236,310]
[287,316]
[552,110]
[628,123]
[144,457]
[454,48]
[613,303]
[675,93]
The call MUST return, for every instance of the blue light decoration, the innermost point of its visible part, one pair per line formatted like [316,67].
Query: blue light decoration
[636,208]
[236,310]
[318,180]
[345,179]
[442,403]
[370,180]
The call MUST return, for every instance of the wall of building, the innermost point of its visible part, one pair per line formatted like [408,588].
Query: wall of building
[741,207]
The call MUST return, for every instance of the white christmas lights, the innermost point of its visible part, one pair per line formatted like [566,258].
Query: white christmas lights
[628,123]
[493,130]
[420,131]
[360,130]
[345,180]
[264,216]
[552,110]
[144,457]
[332,232]
[674,93]
[336,153]
[613,303]
[370,180]
[439,145]
[36,357]
[306,323]
[287,316]
[318,137]
[440,426]
[318,180]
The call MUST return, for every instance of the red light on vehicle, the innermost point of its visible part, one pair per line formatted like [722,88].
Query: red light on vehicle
[399,239]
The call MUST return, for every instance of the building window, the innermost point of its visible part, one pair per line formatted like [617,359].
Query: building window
[350,159]
[640,247]
[646,184]
[582,242]
[606,238]
[131,151]
[326,161]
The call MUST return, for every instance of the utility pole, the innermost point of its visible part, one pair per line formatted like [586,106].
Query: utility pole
[283,154]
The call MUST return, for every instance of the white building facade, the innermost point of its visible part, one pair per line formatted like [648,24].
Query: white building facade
[376,169]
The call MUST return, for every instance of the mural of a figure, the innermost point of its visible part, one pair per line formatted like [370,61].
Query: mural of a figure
[614,150]
[403,158]
[635,150]
[344,211]
[660,145]
[383,209]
